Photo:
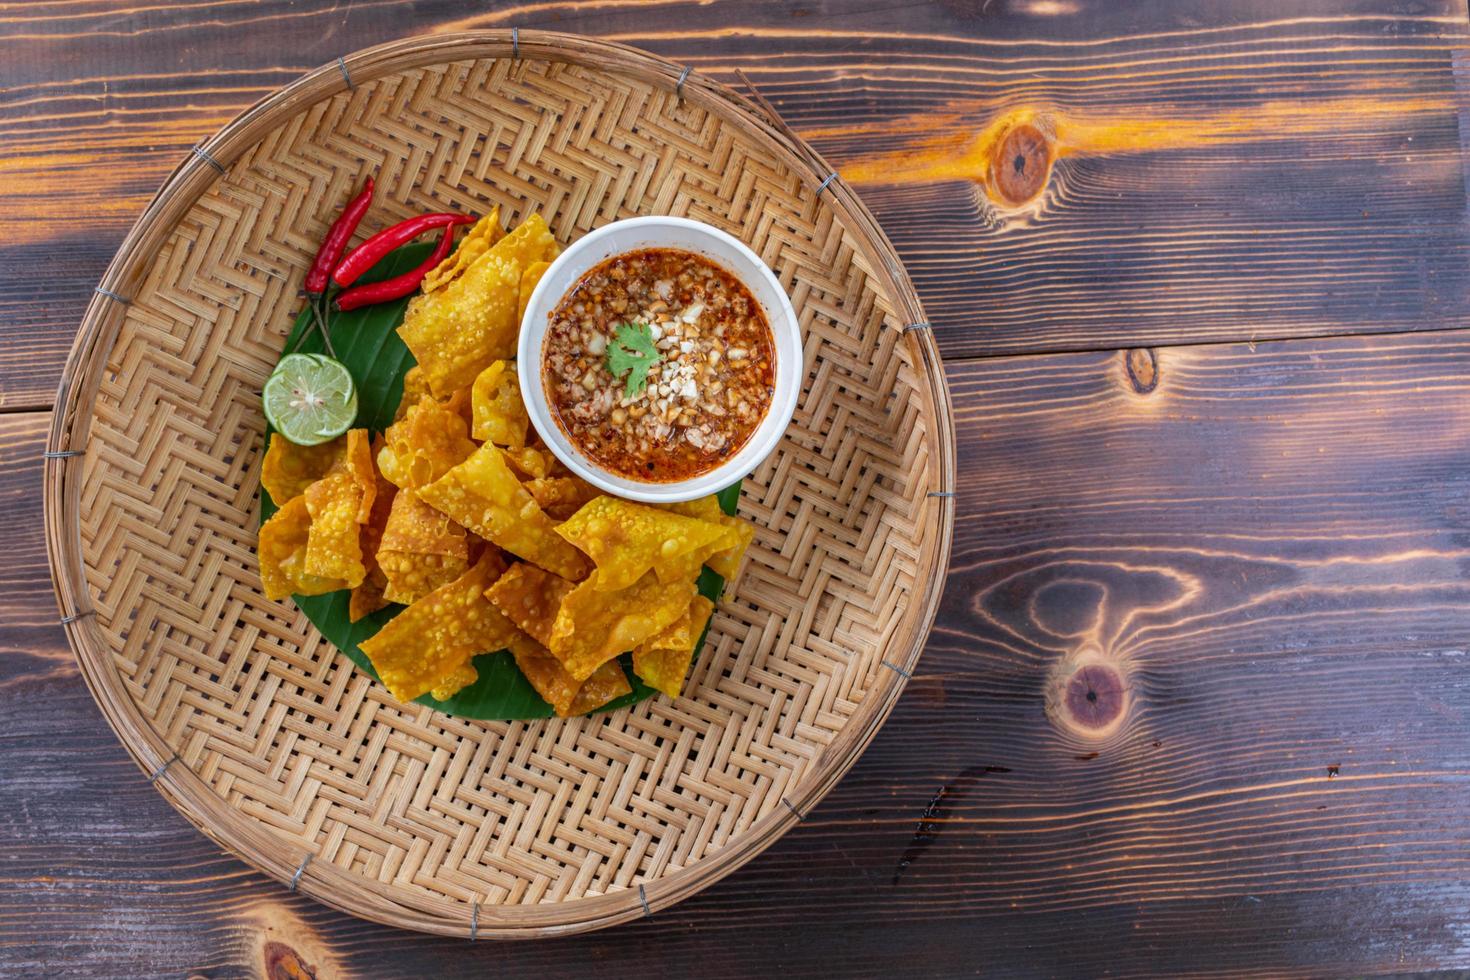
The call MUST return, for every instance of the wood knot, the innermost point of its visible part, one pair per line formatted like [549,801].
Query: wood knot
[284,963]
[1020,163]
[1088,694]
[1143,369]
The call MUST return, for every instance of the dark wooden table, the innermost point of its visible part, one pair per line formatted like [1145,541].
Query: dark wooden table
[1212,390]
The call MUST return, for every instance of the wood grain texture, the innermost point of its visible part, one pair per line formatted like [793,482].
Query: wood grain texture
[1266,542]
[1270,546]
[1226,172]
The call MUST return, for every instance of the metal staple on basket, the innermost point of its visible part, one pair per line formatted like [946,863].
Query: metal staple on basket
[679,85]
[300,870]
[204,155]
[162,768]
[643,900]
[792,807]
[346,75]
[897,669]
[103,291]
[823,185]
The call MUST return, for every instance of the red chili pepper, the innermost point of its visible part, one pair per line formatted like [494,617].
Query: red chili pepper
[337,238]
[366,255]
[400,285]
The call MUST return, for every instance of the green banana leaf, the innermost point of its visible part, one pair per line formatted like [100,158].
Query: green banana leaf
[367,342]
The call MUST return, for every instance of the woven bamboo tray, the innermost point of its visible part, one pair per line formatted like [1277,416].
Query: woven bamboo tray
[267,738]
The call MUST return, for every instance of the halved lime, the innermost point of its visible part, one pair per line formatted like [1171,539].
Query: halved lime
[310,398]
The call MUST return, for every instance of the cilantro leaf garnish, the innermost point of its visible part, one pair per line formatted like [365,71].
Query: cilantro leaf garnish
[632,353]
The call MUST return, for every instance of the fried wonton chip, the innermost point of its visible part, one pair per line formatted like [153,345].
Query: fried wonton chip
[627,539]
[282,550]
[530,597]
[561,496]
[420,551]
[425,444]
[499,414]
[484,495]
[288,469]
[477,242]
[334,542]
[531,462]
[567,695]
[358,461]
[595,624]
[425,647]
[529,279]
[415,389]
[663,660]
[724,561]
[456,332]
[455,682]
[606,683]
[368,597]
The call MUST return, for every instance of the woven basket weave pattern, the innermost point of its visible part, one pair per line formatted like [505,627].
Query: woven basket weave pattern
[282,728]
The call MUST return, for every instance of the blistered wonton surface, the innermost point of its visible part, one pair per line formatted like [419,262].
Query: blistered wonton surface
[429,644]
[288,469]
[595,624]
[457,331]
[426,443]
[530,597]
[662,661]
[499,414]
[626,540]
[484,495]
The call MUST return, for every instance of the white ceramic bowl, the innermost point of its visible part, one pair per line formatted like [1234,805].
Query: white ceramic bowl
[725,251]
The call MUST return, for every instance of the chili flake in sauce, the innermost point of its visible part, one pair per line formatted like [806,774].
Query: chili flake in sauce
[707,386]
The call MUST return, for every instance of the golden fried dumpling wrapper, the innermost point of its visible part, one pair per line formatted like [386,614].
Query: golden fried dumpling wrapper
[626,540]
[334,541]
[531,462]
[499,414]
[368,597]
[420,551]
[477,242]
[288,469]
[530,597]
[415,390]
[426,443]
[662,661]
[427,645]
[282,550]
[462,403]
[606,683]
[458,680]
[358,461]
[567,695]
[529,279]
[723,561]
[596,624]
[561,496]
[484,495]
[456,332]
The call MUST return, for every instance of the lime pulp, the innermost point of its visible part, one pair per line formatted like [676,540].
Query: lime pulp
[310,398]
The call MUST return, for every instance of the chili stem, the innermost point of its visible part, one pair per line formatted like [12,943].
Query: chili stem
[322,326]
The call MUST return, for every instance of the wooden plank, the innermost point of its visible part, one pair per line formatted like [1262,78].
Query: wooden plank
[1268,543]
[1227,172]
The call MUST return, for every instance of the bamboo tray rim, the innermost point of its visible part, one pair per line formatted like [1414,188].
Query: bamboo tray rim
[252,841]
